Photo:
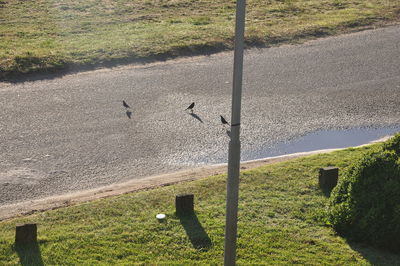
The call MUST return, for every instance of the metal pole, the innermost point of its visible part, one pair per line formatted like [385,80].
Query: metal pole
[234,144]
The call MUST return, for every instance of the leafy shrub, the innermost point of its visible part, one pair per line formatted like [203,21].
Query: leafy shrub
[365,206]
[393,144]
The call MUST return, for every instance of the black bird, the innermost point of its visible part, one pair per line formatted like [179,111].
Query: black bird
[125,104]
[190,107]
[223,120]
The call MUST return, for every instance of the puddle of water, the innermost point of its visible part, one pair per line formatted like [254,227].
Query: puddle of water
[324,139]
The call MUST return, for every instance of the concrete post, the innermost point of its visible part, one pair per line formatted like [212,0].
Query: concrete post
[328,178]
[26,234]
[184,204]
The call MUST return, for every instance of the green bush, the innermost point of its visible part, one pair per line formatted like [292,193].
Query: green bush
[393,144]
[365,206]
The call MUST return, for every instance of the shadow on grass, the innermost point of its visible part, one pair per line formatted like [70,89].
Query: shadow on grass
[34,72]
[29,254]
[195,231]
[34,68]
[327,192]
[375,256]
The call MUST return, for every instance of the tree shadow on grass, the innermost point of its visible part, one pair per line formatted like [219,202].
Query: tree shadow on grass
[35,69]
[29,254]
[375,256]
[195,231]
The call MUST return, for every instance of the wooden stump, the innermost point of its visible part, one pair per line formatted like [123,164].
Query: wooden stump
[184,204]
[328,178]
[25,234]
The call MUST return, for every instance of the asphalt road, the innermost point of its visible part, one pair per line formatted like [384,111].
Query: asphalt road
[72,133]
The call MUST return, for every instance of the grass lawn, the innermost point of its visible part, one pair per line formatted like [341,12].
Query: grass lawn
[49,35]
[281,221]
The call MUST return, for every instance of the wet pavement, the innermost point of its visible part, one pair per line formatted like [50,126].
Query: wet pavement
[323,139]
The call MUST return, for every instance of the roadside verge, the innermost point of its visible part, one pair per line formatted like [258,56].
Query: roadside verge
[54,202]
[41,37]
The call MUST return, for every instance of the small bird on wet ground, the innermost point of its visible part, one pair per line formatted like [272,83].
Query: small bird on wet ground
[190,107]
[125,104]
[223,121]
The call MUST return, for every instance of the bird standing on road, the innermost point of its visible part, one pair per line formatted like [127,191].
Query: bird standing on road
[223,121]
[190,107]
[125,104]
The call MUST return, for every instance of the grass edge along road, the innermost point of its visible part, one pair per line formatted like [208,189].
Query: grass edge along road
[44,35]
[281,221]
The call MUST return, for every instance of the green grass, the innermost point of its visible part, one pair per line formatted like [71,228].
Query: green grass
[50,35]
[281,221]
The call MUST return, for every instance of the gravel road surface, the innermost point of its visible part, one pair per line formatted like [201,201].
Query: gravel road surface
[72,133]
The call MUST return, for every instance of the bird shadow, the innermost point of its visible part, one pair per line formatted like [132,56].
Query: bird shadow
[195,231]
[196,116]
[129,114]
[29,254]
